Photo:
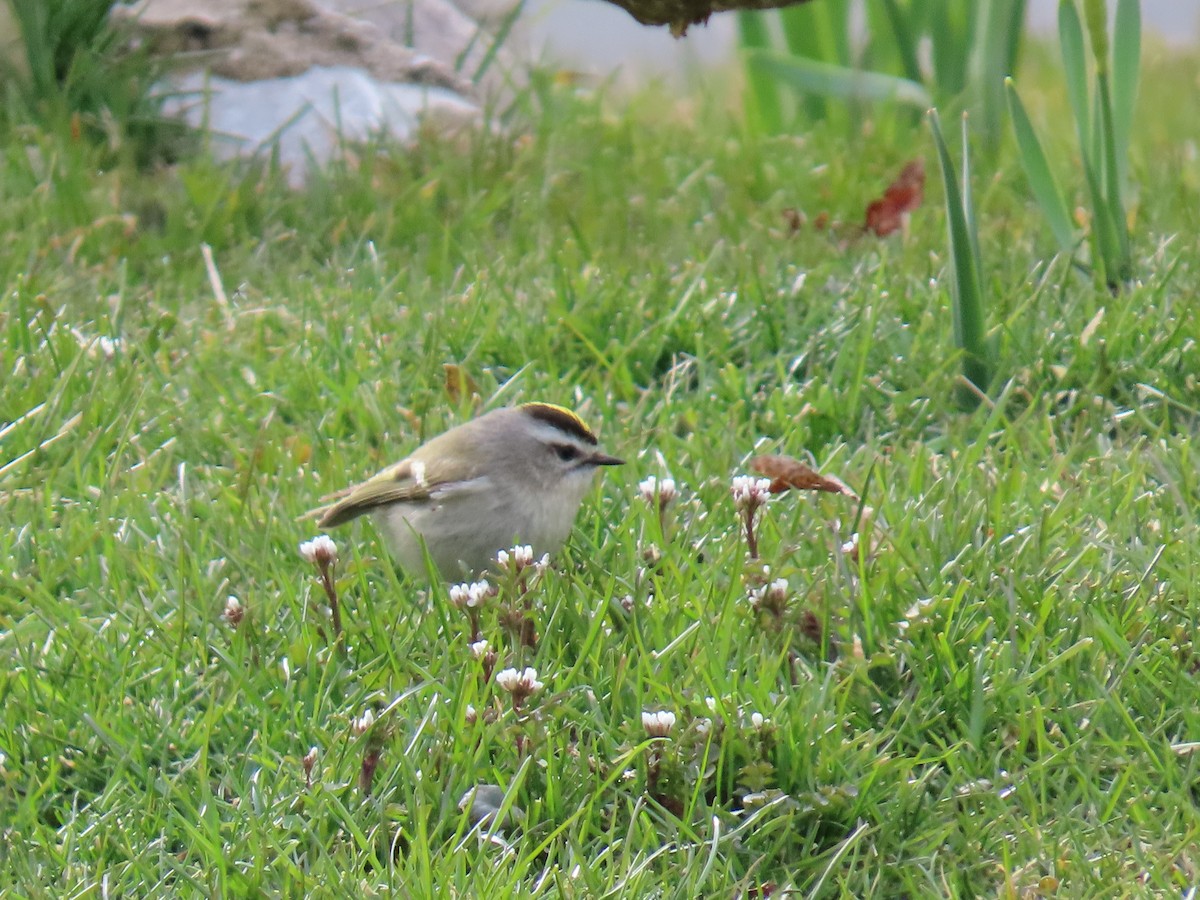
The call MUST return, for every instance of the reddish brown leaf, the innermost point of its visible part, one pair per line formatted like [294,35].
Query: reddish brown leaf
[902,196]
[787,474]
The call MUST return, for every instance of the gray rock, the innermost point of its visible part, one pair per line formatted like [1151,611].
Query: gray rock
[301,77]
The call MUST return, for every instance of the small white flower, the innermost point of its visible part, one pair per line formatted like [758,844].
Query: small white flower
[529,680]
[109,347]
[479,649]
[477,593]
[749,493]
[470,715]
[519,684]
[470,596]
[658,724]
[363,723]
[771,596]
[758,721]
[515,559]
[321,551]
[234,612]
[703,726]
[711,703]
[658,492]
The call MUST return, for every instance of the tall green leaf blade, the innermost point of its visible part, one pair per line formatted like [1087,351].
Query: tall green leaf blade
[967,307]
[836,81]
[1127,51]
[1015,29]
[1111,181]
[802,30]
[950,48]
[1104,231]
[969,201]
[837,30]
[1037,171]
[1070,40]
[899,24]
[993,57]
[766,103]
[1095,14]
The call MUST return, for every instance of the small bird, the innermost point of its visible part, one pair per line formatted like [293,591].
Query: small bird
[511,476]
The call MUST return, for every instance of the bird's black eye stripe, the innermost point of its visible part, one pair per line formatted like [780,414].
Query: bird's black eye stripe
[566,452]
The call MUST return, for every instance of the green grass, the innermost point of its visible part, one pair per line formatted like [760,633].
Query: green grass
[1024,705]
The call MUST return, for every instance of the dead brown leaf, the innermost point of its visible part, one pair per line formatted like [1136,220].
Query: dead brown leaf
[902,196]
[791,474]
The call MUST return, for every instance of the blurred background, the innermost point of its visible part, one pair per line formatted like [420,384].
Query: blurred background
[599,38]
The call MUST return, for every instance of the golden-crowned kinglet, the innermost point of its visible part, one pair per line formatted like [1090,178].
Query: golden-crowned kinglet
[510,476]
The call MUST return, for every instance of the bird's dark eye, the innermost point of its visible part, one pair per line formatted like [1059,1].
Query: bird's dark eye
[565,452]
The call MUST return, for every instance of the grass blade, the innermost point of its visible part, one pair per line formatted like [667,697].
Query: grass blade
[1037,171]
[836,81]
[949,39]
[1070,39]
[1111,184]
[1104,230]
[838,30]
[900,22]
[498,40]
[765,101]
[1127,50]
[1095,16]
[993,58]
[1015,29]
[969,201]
[967,307]
[802,30]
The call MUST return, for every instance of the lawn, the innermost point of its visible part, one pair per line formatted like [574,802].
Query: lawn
[991,691]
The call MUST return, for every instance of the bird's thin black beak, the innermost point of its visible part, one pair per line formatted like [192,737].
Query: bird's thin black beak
[603,459]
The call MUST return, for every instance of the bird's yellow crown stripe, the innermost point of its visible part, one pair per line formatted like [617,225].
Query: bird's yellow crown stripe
[562,418]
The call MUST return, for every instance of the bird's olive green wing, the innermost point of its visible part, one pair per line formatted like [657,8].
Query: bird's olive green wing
[404,482]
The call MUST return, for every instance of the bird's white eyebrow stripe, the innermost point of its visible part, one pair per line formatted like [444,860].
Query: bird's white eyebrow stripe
[551,435]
